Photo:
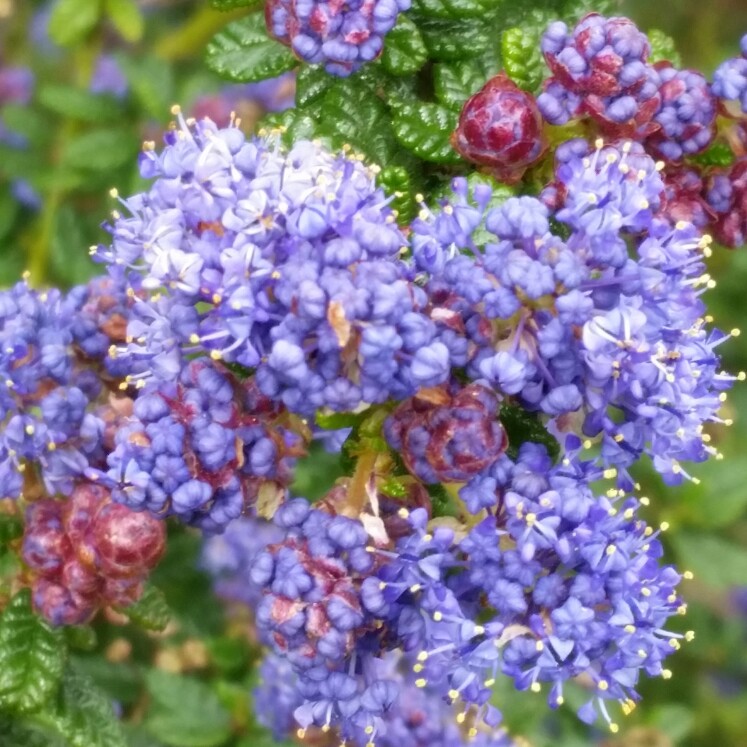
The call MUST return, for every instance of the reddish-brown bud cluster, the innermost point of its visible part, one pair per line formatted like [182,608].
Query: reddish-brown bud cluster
[500,127]
[87,552]
[446,437]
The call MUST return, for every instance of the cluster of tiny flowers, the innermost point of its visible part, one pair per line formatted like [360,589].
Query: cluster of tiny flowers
[417,718]
[600,338]
[48,427]
[730,79]
[727,196]
[551,583]
[342,36]
[201,448]
[601,70]
[563,584]
[283,262]
[87,552]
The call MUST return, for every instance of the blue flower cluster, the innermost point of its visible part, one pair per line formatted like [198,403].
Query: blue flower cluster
[564,584]
[730,79]
[342,36]
[287,263]
[418,717]
[48,428]
[201,448]
[600,338]
[601,70]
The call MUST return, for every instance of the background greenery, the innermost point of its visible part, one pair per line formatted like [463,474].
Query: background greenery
[187,685]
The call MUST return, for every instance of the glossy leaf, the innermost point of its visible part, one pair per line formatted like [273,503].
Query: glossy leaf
[425,129]
[456,40]
[150,611]
[244,52]
[85,717]
[31,657]
[77,104]
[404,49]
[522,426]
[453,9]
[522,60]
[663,48]
[455,82]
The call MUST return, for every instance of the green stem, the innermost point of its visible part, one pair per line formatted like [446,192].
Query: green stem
[181,43]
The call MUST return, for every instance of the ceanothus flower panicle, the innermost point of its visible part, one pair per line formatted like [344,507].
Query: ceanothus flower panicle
[601,329]
[283,262]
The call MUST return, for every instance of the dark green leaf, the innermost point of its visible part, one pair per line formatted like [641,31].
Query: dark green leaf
[85,717]
[185,712]
[100,150]
[455,82]
[31,657]
[120,681]
[150,611]
[522,60]
[425,129]
[72,20]
[80,637]
[312,82]
[404,50]
[353,114]
[75,103]
[69,261]
[11,526]
[442,502]
[453,9]
[244,52]
[18,732]
[456,40]
[521,427]
[127,18]
[397,181]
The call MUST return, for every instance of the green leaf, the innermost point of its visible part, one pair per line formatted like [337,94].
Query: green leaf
[397,180]
[522,60]
[353,114]
[100,150]
[312,82]
[127,18]
[31,657]
[77,104]
[16,732]
[80,637]
[663,48]
[715,561]
[718,154]
[243,52]
[456,40]
[11,525]
[333,421]
[453,9]
[404,50]
[31,123]
[85,717]
[72,20]
[150,611]
[226,5]
[185,712]
[522,426]
[425,129]
[455,82]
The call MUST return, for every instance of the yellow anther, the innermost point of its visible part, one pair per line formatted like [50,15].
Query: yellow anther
[688,575]
[690,635]
[603,685]
[629,628]
[736,332]
[422,656]
[453,694]
[664,526]
[666,674]
[437,616]
[614,728]
[536,687]
[461,718]
[421,682]
[610,473]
